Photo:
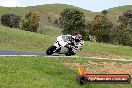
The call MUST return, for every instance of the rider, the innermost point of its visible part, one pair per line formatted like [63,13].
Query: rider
[76,42]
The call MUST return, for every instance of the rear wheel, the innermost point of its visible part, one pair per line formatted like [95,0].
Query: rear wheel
[50,50]
[69,53]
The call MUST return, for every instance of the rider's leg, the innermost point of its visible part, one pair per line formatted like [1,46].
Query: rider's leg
[70,47]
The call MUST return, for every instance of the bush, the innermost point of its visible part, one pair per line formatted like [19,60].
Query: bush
[31,22]
[11,20]
[56,22]
[130,43]
[25,24]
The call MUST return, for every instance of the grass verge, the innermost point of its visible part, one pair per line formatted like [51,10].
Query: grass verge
[106,50]
[15,39]
[40,72]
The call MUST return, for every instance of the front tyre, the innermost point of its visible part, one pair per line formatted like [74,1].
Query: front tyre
[50,50]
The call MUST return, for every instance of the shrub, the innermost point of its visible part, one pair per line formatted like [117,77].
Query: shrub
[31,22]
[11,20]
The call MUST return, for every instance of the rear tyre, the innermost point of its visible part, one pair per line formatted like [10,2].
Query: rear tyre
[70,53]
[50,50]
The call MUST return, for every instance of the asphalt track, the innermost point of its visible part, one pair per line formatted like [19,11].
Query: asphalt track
[20,53]
[13,52]
[31,54]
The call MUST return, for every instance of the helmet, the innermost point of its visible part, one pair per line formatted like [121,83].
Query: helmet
[78,38]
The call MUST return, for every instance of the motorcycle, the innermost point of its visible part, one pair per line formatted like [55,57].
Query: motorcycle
[59,46]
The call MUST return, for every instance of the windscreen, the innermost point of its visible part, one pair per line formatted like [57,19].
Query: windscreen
[66,37]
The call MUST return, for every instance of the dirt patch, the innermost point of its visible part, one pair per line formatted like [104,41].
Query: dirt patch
[104,67]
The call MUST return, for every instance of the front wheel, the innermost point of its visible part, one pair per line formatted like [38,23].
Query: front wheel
[50,50]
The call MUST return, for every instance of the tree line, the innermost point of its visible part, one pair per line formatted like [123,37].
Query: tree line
[73,22]
[30,22]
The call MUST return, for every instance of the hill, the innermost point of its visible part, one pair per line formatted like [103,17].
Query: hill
[15,39]
[56,72]
[53,11]
[44,11]
[114,13]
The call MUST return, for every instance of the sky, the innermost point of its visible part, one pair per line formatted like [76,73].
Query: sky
[92,5]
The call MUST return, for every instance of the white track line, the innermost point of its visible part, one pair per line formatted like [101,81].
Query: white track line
[90,57]
[107,59]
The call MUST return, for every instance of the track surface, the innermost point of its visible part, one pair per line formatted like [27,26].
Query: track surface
[19,53]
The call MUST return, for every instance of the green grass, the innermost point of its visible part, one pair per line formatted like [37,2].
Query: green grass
[15,39]
[40,72]
[106,49]
[51,31]
[109,48]
[23,40]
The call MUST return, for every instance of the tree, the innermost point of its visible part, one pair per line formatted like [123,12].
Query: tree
[11,20]
[31,22]
[124,35]
[104,12]
[34,22]
[128,14]
[72,21]
[88,30]
[101,28]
